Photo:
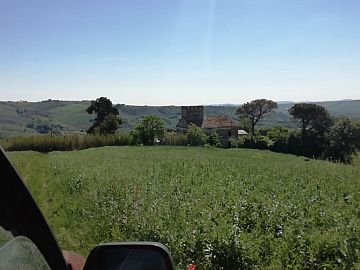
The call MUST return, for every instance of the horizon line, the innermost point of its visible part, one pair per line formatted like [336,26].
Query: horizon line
[178,105]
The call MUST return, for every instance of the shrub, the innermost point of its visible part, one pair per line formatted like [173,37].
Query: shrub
[196,136]
[279,136]
[245,141]
[262,142]
[149,130]
[234,142]
[214,140]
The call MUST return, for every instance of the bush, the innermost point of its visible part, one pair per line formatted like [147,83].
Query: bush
[279,137]
[214,140]
[149,131]
[196,136]
[252,142]
[234,142]
[262,142]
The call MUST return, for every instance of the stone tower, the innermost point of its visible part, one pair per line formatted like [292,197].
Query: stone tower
[191,114]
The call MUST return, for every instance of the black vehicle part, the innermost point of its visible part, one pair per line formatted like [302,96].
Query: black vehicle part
[20,214]
[130,256]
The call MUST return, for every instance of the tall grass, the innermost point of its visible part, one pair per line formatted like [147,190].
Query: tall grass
[175,139]
[221,209]
[48,143]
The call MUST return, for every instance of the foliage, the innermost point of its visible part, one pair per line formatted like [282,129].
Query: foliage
[338,145]
[245,124]
[214,139]
[262,142]
[109,126]
[295,143]
[196,136]
[106,121]
[280,137]
[252,142]
[255,110]
[17,118]
[343,140]
[175,139]
[44,126]
[149,130]
[221,209]
[48,143]
[313,117]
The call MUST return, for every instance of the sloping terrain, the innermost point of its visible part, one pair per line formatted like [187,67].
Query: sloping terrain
[27,118]
[222,209]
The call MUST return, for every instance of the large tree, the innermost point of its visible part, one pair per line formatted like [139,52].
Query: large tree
[343,140]
[150,129]
[255,110]
[106,120]
[312,117]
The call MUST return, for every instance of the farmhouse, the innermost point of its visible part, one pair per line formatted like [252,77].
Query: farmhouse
[223,125]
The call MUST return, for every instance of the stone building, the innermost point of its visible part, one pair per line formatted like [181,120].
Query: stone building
[189,115]
[223,125]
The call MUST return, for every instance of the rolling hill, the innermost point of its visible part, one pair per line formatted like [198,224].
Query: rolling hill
[29,118]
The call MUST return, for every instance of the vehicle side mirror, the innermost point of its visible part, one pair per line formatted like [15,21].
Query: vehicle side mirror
[130,256]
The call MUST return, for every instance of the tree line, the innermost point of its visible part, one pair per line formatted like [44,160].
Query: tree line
[320,135]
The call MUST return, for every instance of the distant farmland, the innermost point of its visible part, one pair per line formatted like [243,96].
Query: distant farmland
[22,118]
[236,209]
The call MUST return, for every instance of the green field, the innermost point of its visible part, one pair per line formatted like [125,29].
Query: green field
[222,209]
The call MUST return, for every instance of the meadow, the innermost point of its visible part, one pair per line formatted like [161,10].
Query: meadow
[221,209]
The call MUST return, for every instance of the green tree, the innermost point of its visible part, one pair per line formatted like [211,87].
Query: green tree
[214,139]
[312,117]
[150,129]
[245,124]
[106,120]
[315,122]
[343,140]
[279,136]
[255,110]
[109,125]
[196,136]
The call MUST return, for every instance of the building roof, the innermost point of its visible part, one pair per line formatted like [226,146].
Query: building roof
[218,122]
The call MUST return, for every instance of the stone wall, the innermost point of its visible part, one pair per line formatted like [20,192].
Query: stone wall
[193,114]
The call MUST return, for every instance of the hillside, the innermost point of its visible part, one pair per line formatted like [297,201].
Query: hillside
[26,118]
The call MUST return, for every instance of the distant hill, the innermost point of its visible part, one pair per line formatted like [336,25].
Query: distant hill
[26,118]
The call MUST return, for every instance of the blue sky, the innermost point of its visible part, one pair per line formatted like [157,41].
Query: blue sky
[163,52]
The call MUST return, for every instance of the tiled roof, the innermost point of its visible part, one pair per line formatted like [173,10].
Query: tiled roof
[218,122]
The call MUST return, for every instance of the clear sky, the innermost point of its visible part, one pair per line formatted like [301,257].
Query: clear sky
[162,52]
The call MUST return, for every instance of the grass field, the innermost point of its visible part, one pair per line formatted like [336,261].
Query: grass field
[222,209]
